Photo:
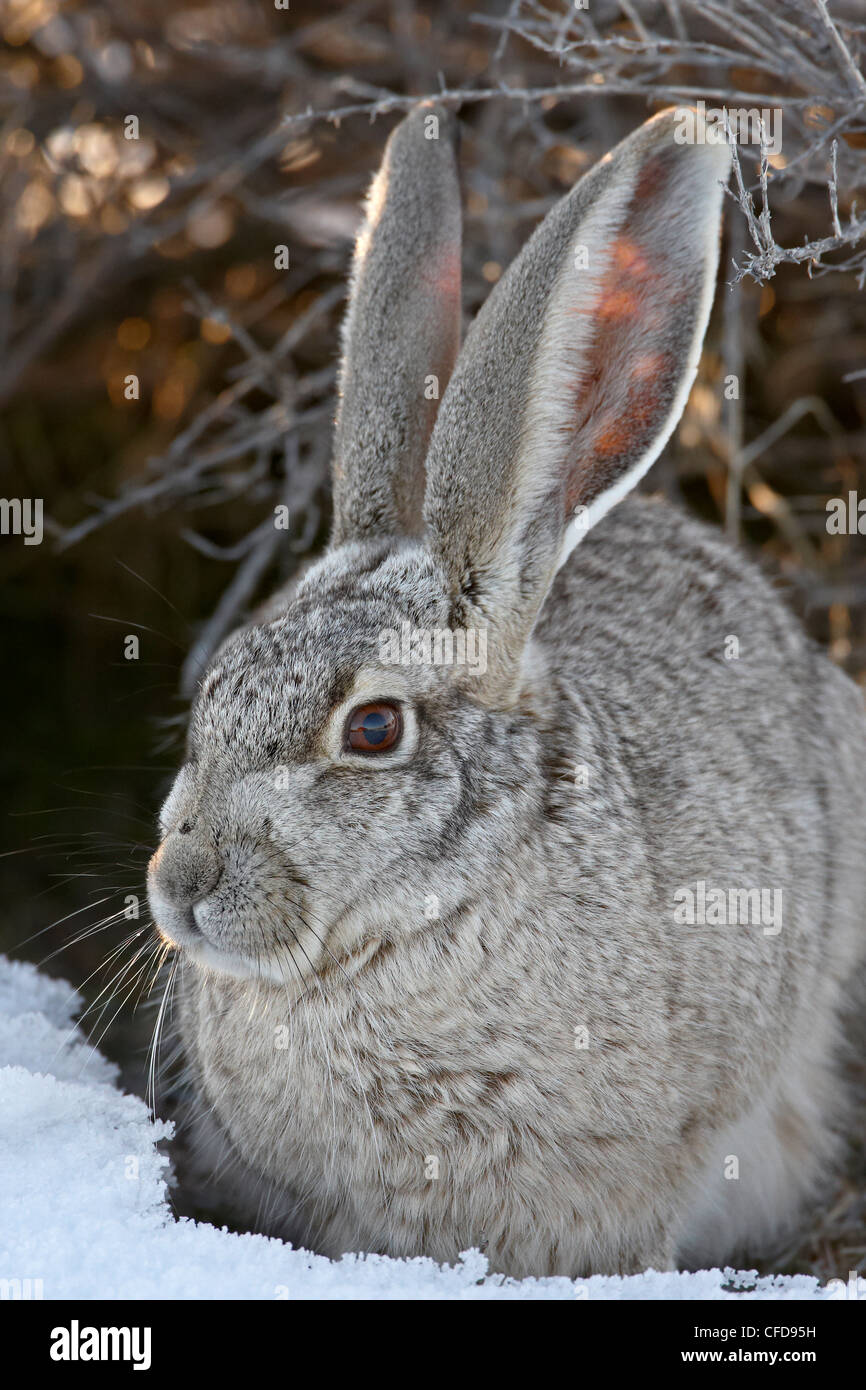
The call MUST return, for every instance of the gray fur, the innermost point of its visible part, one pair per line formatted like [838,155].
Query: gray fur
[403,326]
[387,963]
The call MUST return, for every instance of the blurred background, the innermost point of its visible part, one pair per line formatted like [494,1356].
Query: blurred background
[179,189]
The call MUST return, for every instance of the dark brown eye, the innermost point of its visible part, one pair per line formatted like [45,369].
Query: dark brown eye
[373,728]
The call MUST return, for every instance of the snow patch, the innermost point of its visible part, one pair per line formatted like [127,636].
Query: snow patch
[84,1202]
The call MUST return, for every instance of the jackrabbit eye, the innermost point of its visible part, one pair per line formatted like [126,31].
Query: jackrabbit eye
[373,728]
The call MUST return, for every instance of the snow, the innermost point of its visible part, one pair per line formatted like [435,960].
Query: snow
[84,1208]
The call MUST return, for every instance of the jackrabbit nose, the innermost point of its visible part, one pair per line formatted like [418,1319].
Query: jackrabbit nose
[184,869]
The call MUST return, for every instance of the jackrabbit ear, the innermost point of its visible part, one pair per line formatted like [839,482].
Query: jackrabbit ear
[401,333]
[571,380]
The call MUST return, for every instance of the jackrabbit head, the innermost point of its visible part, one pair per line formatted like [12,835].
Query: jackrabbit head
[371,751]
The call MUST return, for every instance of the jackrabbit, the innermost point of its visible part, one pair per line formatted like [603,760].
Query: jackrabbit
[517,864]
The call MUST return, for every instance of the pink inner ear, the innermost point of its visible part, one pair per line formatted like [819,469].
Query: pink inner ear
[441,277]
[442,272]
[622,402]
